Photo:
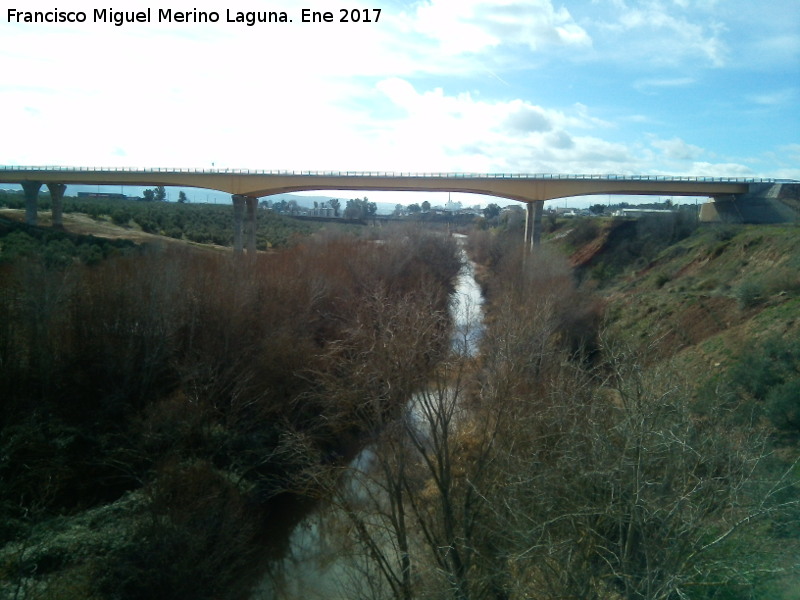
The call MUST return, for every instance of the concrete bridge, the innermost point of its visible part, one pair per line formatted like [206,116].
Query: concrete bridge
[246,186]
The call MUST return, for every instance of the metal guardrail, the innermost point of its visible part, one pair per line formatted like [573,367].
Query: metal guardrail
[402,174]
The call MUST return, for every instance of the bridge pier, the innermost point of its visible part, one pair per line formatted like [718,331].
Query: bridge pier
[250,224]
[238,220]
[533,224]
[31,189]
[245,210]
[56,196]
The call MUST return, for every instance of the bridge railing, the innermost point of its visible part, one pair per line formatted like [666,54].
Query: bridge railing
[393,174]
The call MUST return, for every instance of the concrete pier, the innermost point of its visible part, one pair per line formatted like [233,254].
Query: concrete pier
[538,209]
[250,224]
[238,222]
[56,197]
[31,189]
[533,224]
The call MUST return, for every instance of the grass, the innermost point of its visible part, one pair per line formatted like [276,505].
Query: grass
[706,295]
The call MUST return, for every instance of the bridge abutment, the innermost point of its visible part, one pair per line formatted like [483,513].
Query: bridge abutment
[56,199]
[31,189]
[765,204]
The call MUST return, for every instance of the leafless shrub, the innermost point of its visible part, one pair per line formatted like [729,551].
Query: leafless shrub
[539,476]
[183,371]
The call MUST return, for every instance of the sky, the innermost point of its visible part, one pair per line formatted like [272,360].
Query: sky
[658,87]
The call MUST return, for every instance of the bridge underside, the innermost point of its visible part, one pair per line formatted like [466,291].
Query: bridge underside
[245,187]
[514,187]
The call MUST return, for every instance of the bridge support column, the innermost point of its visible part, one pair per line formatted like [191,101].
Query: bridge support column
[31,189]
[533,224]
[238,220]
[528,225]
[250,224]
[538,210]
[56,196]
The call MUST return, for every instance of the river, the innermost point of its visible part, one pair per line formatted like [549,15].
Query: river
[315,568]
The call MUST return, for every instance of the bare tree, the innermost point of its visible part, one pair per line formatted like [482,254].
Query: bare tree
[530,472]
[621,491]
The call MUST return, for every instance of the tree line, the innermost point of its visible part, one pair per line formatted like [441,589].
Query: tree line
[200,223]
[563,461]
[179,402]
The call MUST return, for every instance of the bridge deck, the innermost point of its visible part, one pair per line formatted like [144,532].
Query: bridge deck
[521,187]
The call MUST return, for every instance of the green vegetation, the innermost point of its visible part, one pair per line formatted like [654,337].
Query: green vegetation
[200,223]
[165,415]
[56,248]
[359,208]
[628,430]
[585,230]
[765,378]
[565,461]
[629,243]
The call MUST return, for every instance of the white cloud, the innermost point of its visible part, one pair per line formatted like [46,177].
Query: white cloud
[471,26]
[774,98]
[560,140]
[527,119]
[495,136]
[677,149]
[652,85]
[707,169]
[780,47]
[663,33]
[792,150]
[437,85]
[638,119]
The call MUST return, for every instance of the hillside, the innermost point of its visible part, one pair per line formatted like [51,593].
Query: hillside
[687,338]
[201,224]
[628,428]
[720,301]
[715,289]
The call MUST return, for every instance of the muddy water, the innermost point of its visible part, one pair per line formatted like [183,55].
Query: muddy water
[315,568]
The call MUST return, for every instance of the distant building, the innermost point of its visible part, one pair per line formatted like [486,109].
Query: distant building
[104,195]
[640,212]
[566,212]
[323,210]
